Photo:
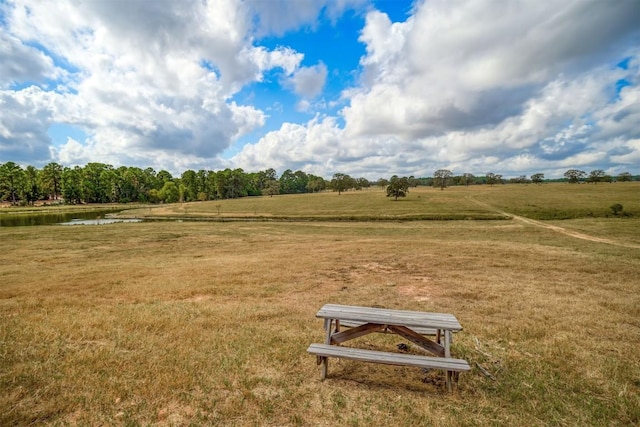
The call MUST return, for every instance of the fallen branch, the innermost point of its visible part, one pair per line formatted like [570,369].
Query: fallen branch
[485,372]
[480,351]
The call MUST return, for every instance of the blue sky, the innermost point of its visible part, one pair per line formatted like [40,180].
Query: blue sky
[368,88]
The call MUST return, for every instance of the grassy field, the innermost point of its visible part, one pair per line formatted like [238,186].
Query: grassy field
[192,323]
[546,202]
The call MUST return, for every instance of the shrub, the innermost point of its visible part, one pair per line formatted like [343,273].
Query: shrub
[616,208]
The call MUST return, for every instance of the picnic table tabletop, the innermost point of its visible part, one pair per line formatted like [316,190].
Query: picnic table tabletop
[385,316]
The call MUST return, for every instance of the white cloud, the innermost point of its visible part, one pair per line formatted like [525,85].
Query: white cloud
[309,81]
[467,64]
[474,86]
[23,63]
[145,76]
[26,116]
[279,16]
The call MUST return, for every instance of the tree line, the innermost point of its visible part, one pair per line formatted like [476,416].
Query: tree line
[103,183]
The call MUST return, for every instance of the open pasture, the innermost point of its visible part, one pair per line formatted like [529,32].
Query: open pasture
[545,201]
[178,323]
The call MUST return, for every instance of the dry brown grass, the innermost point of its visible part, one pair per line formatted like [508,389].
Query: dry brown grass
[208,323]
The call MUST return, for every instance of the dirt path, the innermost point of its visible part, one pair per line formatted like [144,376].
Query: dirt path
[558,229]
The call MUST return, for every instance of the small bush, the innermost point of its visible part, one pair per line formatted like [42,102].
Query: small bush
[616,209]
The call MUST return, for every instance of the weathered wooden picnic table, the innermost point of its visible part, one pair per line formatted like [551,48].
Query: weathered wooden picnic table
[411,325]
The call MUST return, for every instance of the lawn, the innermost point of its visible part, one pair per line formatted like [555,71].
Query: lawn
[178,323]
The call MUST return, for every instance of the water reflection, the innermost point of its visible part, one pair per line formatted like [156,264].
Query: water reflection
[98,221]
[28,219]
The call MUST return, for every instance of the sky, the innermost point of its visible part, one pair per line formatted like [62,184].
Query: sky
[363,87]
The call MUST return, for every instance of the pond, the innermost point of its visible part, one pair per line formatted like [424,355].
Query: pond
[92,217]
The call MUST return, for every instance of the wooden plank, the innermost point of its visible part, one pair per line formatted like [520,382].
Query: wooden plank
[356,332]
[418,339]
[421,331]
[390,317]
[387,358]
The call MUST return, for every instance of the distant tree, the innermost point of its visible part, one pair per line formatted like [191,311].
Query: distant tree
[202,185]
[293,182]
[441,178]
[574,176]
[164,176]
[231,184]
[467,178]
[625,176]
[398,187]
[360,183]
[11,181]
[31,188]
[71,185]
[493,178]
[169,193]
[315,184]
[97,182]
[596,176]
[537,178]
[272,187]
[188,186]
[382,183]
[341,182]
[50,180]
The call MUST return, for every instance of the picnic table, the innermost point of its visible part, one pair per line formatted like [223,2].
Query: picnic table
[411,325]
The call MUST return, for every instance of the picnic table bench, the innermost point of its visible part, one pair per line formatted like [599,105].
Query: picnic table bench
[411,325]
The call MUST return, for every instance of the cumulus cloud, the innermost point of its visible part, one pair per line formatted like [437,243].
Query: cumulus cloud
[23,63]
[473,86]
[309,81]
[279,16]
[143,76]
[26,116]
[462,65]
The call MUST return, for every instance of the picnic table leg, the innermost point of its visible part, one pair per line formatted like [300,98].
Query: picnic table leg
[328,324]
[447,353]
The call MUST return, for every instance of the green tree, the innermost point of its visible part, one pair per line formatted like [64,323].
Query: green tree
[163,177]
[467,178]
[341,182]
[493,178]
[382,183]
[11,181]
[231,184]
[293,183]
[31,188]
[596,176]
[315,184]
[272,187]
[71,185]
[51,179]
[265,177]
[268,182]
[574,175]
[625,176]
[537,178]
[398,187]
[189,185]
[151,179]
[441,178]
[169,193]
[98,184]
